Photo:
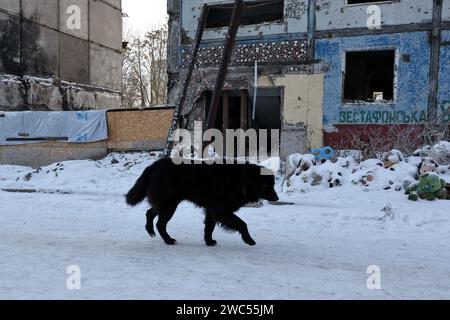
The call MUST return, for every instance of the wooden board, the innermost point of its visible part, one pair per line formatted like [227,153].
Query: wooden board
[136,129]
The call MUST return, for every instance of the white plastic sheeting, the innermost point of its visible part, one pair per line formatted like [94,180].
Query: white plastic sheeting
[70,126]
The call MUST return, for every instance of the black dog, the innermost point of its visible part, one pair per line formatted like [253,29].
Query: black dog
[220,189]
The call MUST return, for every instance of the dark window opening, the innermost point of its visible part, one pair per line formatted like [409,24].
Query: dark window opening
[236,110]
[369,76]
[366,1]
[268,109]
[254,12]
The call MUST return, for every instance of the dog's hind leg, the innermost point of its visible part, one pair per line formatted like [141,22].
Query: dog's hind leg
[165,215]
[210,225]
[232,222]
[151,215]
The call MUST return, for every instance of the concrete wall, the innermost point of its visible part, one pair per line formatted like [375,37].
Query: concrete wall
[330,15]
[295,20]
[42,43]
[302,110]
[336,14]
[446,10]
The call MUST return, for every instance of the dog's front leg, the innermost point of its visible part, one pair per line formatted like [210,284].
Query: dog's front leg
[210,225]
[151,215]
[232,222]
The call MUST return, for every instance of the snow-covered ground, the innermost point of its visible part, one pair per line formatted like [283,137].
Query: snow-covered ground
[319,248]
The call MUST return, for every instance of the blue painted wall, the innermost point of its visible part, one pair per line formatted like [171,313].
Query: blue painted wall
[411,103]
[444,74]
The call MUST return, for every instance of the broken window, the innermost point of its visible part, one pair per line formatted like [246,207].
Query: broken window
[254,12]
[366,1]
[369,76]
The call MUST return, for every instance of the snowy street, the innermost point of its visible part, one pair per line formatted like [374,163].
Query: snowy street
[320,248]
[318,130]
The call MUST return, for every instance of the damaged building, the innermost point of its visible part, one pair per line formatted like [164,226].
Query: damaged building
[60,55]
[324,69]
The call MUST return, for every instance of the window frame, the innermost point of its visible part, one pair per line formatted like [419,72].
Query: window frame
[390,103]
[379,2]
[279,21]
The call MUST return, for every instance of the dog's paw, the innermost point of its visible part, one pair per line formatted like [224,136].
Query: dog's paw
[250,241]
[211,243]
[150,232]
[171,242]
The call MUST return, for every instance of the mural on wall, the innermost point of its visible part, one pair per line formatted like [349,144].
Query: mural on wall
[411,104]
[295,9]
[291,51]
[382,117]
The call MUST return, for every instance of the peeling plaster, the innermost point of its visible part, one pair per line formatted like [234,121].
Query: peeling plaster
[335,14]
[295,9]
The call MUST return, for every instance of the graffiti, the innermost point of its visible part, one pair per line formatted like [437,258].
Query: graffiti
[295,9]
[382,117]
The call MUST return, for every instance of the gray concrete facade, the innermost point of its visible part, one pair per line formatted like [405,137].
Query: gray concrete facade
[60,54]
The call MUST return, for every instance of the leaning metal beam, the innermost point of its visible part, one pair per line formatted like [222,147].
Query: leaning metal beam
[182,97]
[223,69]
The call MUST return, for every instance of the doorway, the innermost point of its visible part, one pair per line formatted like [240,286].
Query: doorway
[237,111]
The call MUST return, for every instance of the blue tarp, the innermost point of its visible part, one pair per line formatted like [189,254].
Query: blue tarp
[70,126]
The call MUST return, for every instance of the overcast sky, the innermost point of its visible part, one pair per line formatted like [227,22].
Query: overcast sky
[144,15]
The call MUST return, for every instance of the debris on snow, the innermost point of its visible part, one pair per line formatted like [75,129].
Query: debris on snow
[394,172]
[441,153]
[392,158]
[388,213]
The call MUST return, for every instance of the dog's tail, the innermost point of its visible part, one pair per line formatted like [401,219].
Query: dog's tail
[138,193]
